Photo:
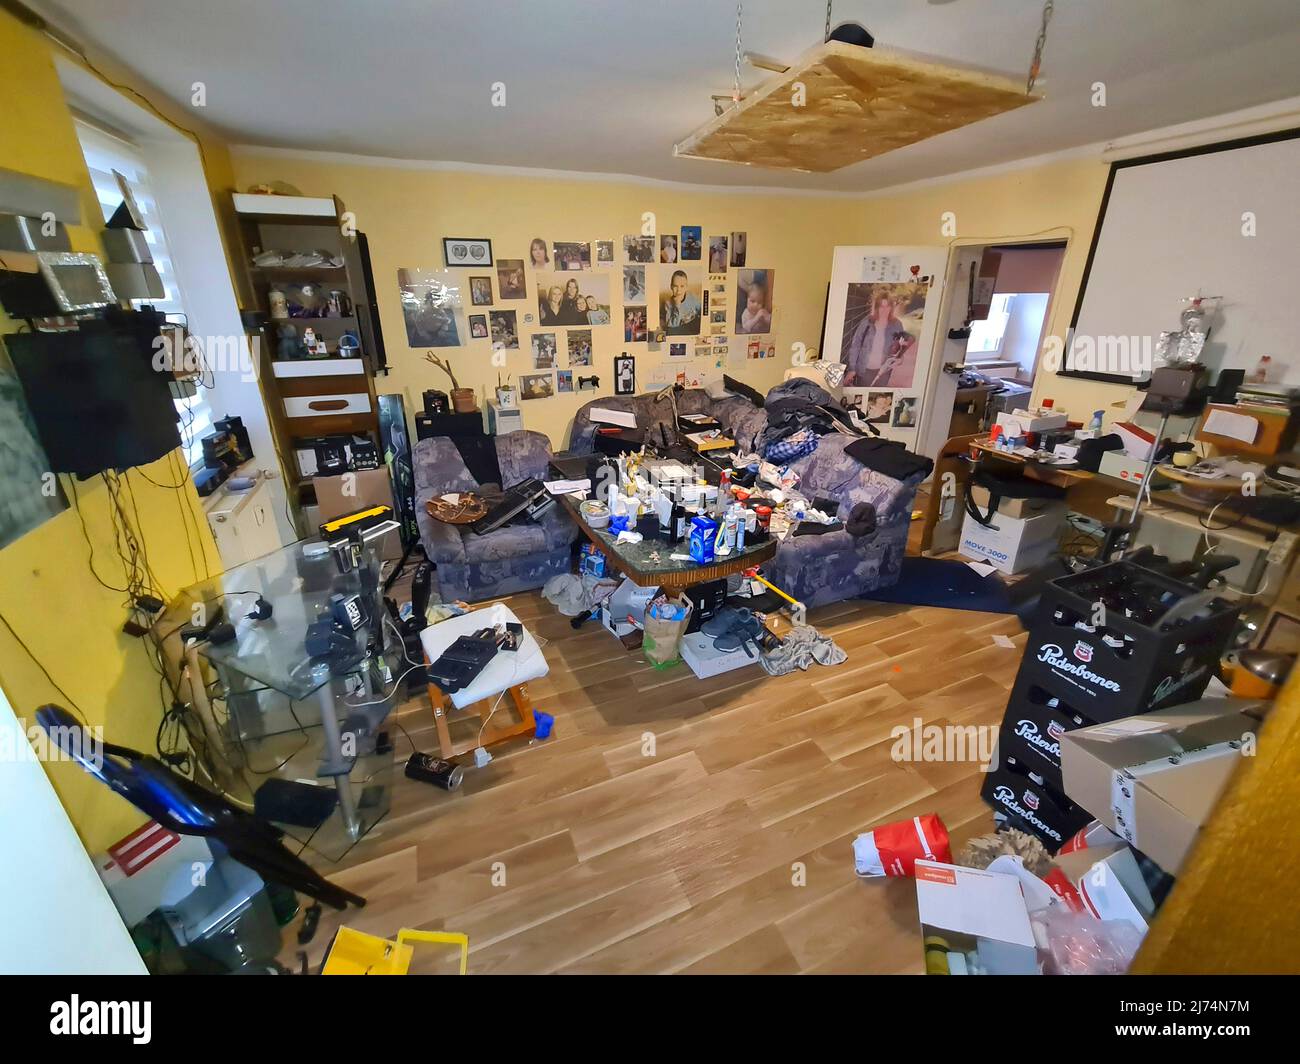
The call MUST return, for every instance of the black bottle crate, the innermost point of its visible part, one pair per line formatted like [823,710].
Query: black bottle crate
[1152,669]
[1032,729]
[1029,805]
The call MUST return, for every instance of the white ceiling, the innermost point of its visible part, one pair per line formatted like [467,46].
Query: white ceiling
[607,86]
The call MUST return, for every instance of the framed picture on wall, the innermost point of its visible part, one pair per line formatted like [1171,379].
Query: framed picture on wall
[624,375]
[466,251]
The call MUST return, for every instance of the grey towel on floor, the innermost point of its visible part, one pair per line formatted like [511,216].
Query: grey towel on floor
[801,648]
[572,594]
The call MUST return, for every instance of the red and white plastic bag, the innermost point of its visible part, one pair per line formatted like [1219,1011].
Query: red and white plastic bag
[894,849]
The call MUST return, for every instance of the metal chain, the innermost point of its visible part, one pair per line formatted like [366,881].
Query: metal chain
[828,21]
[736,93]
[1034,67]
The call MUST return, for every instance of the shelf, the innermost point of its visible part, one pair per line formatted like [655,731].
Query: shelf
[347,323]
[295,207]
[310,272]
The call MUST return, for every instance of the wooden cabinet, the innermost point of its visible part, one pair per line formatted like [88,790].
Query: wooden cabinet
[312,396]
[243,523]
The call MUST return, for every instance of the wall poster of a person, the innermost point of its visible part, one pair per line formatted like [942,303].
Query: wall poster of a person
[882,327]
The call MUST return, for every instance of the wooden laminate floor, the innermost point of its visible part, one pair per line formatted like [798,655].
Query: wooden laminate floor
[679,825]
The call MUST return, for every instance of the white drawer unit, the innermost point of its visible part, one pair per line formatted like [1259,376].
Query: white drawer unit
[321,367]
[243,523]
[326,405]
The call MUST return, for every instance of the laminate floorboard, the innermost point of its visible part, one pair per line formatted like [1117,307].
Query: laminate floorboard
[681,825]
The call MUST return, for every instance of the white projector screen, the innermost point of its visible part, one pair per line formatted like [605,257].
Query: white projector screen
[1221,222]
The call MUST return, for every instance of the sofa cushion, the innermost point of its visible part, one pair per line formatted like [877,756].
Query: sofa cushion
[522,454]
[512,541]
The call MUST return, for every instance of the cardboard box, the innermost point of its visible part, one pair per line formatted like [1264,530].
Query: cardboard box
[698,652]
[1108,883]
[1019,508]
[348,492]
[973,921]
[1138,442]
[1125,467]
[1013,544]
[1154,779]
[628,600]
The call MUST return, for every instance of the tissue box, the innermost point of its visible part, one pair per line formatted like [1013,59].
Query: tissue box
[703,532]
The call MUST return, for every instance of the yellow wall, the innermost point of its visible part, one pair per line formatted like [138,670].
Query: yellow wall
[1055,201]
[47,592]
[1233,909]
[405,213]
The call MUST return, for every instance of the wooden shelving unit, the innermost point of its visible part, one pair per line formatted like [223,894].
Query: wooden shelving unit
[308,397]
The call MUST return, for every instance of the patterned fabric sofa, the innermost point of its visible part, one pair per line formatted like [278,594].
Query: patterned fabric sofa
[815,569]
[518,557]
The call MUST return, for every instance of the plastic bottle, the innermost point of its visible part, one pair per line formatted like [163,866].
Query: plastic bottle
[1261,371]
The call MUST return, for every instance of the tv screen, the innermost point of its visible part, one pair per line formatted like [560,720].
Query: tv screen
[94,396]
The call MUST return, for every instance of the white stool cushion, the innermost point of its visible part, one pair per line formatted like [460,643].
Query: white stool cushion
[504,671]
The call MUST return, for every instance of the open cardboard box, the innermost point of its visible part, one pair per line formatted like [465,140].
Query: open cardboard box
[973,922]
[1154,779]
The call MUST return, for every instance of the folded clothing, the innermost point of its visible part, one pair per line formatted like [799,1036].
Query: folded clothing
[889,457]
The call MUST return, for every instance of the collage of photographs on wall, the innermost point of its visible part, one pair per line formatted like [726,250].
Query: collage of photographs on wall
[674,285]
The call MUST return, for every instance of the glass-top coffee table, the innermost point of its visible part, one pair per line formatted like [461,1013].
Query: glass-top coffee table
[650,563]
[295,716]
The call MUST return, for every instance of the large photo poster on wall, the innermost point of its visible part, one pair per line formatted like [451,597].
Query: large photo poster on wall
[882,331]
[569,300]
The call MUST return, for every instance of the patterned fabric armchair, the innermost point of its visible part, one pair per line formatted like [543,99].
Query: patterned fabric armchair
[814,569]
[518,557]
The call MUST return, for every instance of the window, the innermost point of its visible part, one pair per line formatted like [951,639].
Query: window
[986,336]
[105,152]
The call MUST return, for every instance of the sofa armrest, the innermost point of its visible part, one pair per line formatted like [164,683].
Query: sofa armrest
[830,471]
[442,542]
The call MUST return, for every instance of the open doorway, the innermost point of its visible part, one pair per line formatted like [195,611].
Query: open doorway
[1001,298]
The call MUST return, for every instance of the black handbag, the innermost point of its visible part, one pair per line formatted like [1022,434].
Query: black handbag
[1000,488]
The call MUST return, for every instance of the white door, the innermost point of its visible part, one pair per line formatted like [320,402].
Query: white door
[55,915]
[882,317]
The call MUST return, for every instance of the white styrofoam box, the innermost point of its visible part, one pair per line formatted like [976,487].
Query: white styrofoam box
[1033,422]
[698,651]
[1013,544]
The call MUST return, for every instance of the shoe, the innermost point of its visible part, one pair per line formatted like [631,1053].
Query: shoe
[724,620]
[740,635]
